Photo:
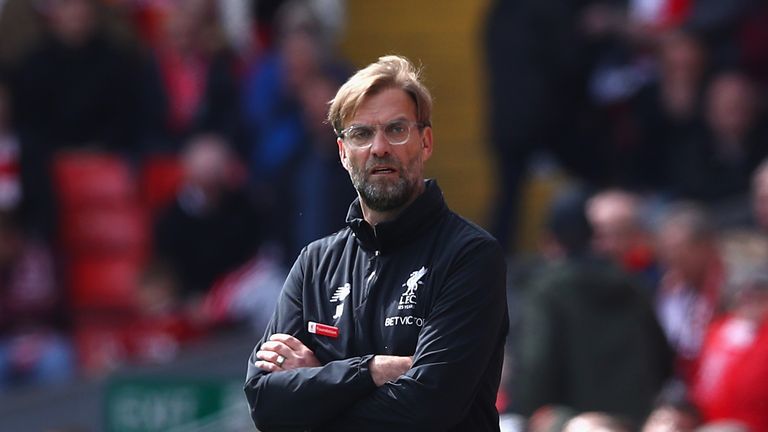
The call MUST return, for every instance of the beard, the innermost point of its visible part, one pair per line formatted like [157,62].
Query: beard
[384,194]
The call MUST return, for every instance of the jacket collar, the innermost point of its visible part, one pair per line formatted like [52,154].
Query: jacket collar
[412,221]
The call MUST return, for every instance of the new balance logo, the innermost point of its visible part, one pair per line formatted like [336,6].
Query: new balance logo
[339,296]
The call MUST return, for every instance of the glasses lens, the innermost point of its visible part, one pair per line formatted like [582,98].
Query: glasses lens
[397,132]
[360,136]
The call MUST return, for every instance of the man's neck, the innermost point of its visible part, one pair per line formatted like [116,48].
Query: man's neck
[374,217]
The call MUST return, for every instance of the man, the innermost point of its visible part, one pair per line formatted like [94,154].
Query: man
[587,332]
[688,297]
[398,321]
[620,234]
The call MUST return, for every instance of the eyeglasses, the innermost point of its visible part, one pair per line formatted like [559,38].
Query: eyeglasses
[361,136]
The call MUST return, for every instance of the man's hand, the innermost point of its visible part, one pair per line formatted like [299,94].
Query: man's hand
[385,368]
[284,352]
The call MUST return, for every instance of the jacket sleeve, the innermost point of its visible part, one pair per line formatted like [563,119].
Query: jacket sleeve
[300,399]
[464,329]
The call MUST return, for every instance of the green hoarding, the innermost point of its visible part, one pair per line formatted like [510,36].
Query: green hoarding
[155,404]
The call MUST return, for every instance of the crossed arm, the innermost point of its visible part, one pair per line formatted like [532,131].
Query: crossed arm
[383,368]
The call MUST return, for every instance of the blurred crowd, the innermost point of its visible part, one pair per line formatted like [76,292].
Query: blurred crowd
[161,162]
[646,305]
[662,97]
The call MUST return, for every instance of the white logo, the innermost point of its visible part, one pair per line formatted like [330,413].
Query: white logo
[338,297]
[408,298]
[403,321]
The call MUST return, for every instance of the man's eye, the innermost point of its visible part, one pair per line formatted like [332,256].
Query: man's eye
[397,127]
[360,133]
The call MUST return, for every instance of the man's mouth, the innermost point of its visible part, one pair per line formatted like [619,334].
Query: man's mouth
[383,170]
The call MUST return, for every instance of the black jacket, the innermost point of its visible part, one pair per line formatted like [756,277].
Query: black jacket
[429,284]
[589,340]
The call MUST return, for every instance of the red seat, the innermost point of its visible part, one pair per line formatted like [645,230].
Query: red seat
[102,283]
[121,230]
[92,179]
[103,232]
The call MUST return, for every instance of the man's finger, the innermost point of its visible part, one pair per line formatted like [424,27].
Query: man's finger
[292,342]
[267,366]
[277,347]
[269,356]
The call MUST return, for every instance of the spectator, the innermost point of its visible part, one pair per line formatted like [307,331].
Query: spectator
[596,422]
[211,227]
[588,333]
[322,191]
[77,88]
[689,294]
[672,415]
[161,324]
[720,158]
[550,418]
[281,115]
[538,55]
[683,65]
[734,360]
[667,110]
[620,234]
[272,87]
[191,85]
[33,348]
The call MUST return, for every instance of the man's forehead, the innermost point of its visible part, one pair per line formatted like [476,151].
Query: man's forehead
[384,106]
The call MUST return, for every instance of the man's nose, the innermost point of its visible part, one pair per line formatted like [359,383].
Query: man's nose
[380,145]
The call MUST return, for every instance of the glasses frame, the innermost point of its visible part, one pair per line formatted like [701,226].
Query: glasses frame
[380,128]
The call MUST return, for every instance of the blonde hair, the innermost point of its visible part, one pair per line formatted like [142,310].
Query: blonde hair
[388,72]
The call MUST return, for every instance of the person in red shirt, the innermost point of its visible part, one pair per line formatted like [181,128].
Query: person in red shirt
[733,370]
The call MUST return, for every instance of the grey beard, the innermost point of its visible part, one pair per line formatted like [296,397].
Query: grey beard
[383,196]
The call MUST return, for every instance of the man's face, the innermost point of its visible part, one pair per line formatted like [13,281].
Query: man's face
[730,106]
[73,21]
[387,177]
[682,254]
[612,219]
[670,419]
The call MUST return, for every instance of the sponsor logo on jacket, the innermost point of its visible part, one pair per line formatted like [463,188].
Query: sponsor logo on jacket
[403,320]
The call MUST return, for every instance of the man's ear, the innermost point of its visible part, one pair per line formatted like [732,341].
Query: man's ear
[342,154]
[427,144]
